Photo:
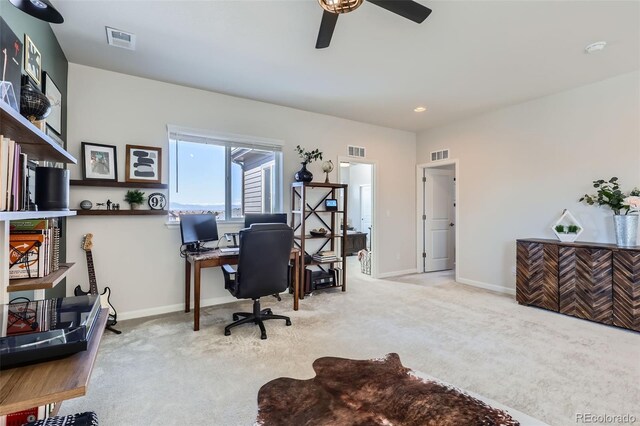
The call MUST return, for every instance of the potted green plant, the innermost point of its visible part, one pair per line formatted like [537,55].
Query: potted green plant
[625,207]
[573,229]
[304,175]
[134,197]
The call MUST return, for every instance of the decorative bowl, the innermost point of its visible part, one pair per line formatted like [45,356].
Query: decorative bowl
[318,232]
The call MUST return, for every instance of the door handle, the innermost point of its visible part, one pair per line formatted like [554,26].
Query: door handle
[451,224]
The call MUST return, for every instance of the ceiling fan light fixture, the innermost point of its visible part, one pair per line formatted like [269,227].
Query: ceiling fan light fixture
[420,109]
[340,6]
[40,9]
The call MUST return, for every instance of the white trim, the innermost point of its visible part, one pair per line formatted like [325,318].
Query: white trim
[397,273]
[492,287]
[222,136]
[142,313]
[419,195]
[374,205]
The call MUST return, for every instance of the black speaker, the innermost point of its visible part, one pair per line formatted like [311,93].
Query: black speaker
[52,188]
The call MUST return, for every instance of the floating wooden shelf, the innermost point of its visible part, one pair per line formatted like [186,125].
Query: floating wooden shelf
[95,183]
[35,214]
[122,212]
[47,282]
[33,141]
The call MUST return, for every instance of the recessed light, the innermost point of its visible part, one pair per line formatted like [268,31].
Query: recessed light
[595,47]
[344,164]
[420,109]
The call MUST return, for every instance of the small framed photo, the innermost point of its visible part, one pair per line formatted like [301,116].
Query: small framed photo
[51,91]
[32,60]
[143,164]
[99,162]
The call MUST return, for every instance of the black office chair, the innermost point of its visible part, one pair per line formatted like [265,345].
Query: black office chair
[263,269]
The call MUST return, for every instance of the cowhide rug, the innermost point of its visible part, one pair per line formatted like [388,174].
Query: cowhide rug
[370,392]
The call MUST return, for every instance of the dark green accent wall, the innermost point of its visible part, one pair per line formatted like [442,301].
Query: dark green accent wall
[55,63]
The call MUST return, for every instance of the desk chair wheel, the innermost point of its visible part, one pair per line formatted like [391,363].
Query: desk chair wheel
[288,322]
[267,311]
[227,333]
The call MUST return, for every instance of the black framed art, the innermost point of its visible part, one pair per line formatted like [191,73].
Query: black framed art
[99,162]
[51,91]
[32,60]
[143,164]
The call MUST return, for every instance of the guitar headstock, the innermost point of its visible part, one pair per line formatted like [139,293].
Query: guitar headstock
[87,243]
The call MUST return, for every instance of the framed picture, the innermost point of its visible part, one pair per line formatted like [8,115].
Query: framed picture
[55,136]
[143,164]
[32,60]
[99,162]
[11,61]
[51,91]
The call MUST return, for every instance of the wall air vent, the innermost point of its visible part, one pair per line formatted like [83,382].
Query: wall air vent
[356,151]
[121,39]
[440,155]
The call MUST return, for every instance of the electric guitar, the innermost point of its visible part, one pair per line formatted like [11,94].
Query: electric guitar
[87,245]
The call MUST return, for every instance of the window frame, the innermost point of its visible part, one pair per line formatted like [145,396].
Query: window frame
[230,141]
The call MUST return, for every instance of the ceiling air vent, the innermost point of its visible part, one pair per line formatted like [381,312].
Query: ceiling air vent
[440,155]
[356,151]
[121,39]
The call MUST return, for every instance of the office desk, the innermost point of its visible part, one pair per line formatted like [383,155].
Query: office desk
[213,259]
[38,384]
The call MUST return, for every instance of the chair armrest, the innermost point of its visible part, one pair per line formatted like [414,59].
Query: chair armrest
[227,269]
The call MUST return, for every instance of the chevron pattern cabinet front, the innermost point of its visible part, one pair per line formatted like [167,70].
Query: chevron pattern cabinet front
[586,283]
[626,289]
[597,282]
[537,275]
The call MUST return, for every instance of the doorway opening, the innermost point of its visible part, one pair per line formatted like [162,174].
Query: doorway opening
[437,216]
[360,176]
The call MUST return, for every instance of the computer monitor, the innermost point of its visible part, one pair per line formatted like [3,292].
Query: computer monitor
[196,229]
[251,218]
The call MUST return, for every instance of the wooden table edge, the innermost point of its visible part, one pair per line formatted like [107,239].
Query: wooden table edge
[88,356]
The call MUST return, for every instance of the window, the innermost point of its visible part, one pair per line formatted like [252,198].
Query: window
[228,175]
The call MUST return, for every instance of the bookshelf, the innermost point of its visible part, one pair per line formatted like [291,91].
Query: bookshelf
[40,147]
[307,207]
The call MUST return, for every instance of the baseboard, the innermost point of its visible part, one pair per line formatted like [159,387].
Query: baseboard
[492,287]
[397,273]
[173,308]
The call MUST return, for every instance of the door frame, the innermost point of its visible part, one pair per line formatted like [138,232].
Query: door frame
[419,202]
[374,201]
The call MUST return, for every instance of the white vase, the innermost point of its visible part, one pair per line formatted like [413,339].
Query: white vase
[626,226]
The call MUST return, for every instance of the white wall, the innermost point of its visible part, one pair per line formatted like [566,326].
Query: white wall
[138,256]
[522,165]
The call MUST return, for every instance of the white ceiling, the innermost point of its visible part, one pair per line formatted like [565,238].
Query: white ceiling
[466,58]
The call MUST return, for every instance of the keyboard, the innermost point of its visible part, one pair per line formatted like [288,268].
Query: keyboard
[229,251]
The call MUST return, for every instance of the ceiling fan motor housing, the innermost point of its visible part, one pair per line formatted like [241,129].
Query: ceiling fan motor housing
[340,6]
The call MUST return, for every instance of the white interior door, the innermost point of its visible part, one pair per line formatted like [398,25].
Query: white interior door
[438,217]
[365,211]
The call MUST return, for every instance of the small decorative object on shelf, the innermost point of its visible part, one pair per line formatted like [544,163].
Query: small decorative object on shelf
[134,197]
[157,201]
[625,208]
[567,228]
[86,205]
[304,175]
[327,167]
[318,232]
[34,105]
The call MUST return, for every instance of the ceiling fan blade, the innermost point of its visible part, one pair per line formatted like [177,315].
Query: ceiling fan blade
[406,8]
[326,29]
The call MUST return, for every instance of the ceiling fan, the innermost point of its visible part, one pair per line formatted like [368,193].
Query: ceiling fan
[332,8]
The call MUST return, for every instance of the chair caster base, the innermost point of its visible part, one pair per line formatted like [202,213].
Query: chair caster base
[227,333]
[288,322]
[263,336]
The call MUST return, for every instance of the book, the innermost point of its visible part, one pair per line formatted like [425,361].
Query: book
[29,225]
[26,257]
[10,155]
[4,166]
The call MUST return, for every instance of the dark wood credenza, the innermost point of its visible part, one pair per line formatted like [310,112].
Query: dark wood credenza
[593,281]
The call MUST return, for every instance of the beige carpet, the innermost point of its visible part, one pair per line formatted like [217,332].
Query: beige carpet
[549,366]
